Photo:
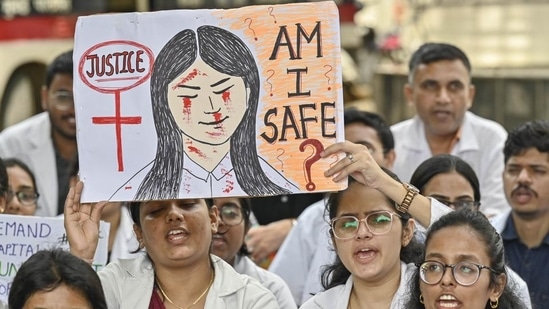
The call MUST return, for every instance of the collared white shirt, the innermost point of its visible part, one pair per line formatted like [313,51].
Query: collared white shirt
[481,146]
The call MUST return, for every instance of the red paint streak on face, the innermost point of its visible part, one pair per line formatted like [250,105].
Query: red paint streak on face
[215,134]
[197,151]
[226,95]
[217,116]
[187,105]
[187,78]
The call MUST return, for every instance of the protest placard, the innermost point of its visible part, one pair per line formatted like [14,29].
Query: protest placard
[22,236]
[206,103]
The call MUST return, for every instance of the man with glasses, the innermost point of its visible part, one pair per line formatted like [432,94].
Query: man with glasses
[306,248]
[47,142]
[525,227]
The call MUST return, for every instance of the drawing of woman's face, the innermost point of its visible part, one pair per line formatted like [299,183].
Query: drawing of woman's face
[207,105]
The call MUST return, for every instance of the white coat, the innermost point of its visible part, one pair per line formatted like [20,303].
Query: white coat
[128,284]
[275,284]
[338,296]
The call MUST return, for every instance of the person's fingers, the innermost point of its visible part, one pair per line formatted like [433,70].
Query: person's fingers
[69,202]
[96,211]
[259,255]
[333,149]
[342,165]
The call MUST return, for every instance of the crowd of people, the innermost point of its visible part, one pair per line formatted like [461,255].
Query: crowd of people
[443,210]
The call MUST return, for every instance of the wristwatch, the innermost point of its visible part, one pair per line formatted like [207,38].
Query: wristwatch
[408,198]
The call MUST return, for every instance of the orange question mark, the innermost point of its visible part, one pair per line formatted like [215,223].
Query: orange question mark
[280,160]
[250,26]
[317,149]
[330,70]
[271,13]
[270,82]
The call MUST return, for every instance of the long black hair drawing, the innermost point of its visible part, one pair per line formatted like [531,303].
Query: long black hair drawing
[226,53]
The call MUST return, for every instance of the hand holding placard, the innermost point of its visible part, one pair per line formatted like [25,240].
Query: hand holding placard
[82,224]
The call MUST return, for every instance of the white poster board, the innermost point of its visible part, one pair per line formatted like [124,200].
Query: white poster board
[208,103]
[22,236]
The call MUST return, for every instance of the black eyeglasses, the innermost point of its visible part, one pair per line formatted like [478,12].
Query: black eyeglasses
[458,204]
[63,100]
[465,273]
[378,223]
[26,197]
[231,214]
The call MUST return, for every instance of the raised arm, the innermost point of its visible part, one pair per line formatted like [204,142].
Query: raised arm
[82,224]
[360,165]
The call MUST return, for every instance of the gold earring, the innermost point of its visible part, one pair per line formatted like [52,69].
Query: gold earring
[141,244]
[421,298]
[495,304]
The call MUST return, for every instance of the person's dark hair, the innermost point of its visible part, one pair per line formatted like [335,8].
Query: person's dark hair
[62,64]
[353,115]
[48,269]
[224,52]
[444,163]
[13,162]
[433,52]
[493,242]
[4,184]
[336,273]
[246,212]
[532,134]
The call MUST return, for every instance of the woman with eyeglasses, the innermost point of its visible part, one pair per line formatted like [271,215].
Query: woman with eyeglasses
[463,267]
[228,244]
[454,183]
[372,230]
[22,193]
[448,179]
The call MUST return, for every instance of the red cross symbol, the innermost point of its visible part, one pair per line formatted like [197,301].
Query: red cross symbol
[118,121]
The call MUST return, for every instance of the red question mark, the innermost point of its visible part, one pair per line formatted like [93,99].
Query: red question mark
[318,148]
